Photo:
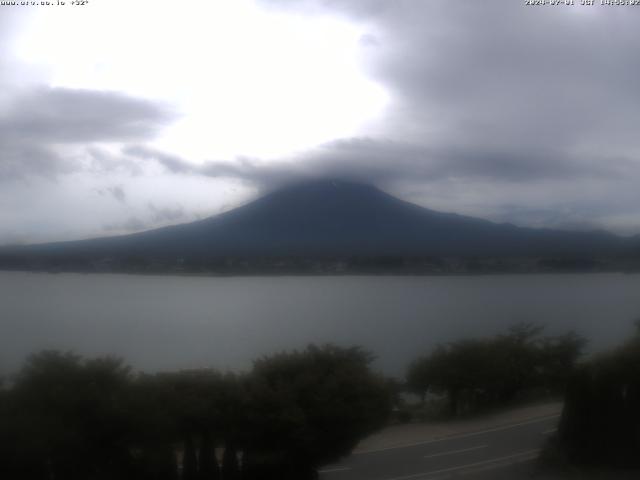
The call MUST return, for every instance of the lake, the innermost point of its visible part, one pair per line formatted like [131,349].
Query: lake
[174,322]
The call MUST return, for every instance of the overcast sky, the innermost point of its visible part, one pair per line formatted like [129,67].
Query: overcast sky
[119,116]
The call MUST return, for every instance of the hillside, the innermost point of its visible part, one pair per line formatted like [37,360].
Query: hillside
[328,219]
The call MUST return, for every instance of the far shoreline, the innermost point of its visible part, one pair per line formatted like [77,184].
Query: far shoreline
[329,274]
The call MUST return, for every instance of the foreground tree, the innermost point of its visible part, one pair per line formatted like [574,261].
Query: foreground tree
[69,420]
[600,423]
[207,462]
[192,411]
[558,358]
[310,408]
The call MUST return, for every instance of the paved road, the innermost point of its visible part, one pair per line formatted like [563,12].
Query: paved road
[503,452]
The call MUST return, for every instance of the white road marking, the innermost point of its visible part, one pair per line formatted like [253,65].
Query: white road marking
[453,452]
[456,437]
[549,432]
[526,454]
[333,470]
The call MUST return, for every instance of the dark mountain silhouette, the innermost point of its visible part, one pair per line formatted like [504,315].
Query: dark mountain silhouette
[335,218]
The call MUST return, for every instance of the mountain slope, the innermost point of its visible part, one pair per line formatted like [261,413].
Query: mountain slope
[337,218]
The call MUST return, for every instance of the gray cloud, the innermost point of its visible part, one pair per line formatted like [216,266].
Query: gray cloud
[163,215]
[19,160]
[488,95]
[132,224]
[61,115]
[101,161]
[537,188]
[153,217]
[173,163]
[498,73]
[251,171]
[39,121]
[117,192]
[384,161]
[518,114]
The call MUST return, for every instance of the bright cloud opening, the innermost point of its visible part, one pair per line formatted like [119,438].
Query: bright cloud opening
[247,82]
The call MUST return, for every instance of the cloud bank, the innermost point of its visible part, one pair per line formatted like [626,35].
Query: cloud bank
[527,115]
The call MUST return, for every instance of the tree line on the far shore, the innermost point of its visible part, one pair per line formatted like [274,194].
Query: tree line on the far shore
[66,417]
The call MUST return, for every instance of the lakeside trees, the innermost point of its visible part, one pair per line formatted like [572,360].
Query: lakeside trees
[476,373]
[600,422]
[68,417]
[63,416]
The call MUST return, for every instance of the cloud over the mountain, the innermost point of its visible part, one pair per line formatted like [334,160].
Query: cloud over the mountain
[519,114]
[492,94]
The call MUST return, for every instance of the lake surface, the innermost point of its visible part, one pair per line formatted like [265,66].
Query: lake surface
[168,323]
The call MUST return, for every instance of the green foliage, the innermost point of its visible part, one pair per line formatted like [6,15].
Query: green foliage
[474,373]
[558,359]
[207,462]
[420,375]
[312,407]
[230,467]
[67,417]
[600,424]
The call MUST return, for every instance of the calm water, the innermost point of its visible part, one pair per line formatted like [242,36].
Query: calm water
[181,322]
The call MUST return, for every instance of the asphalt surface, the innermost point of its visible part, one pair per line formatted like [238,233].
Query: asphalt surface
[505,452]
